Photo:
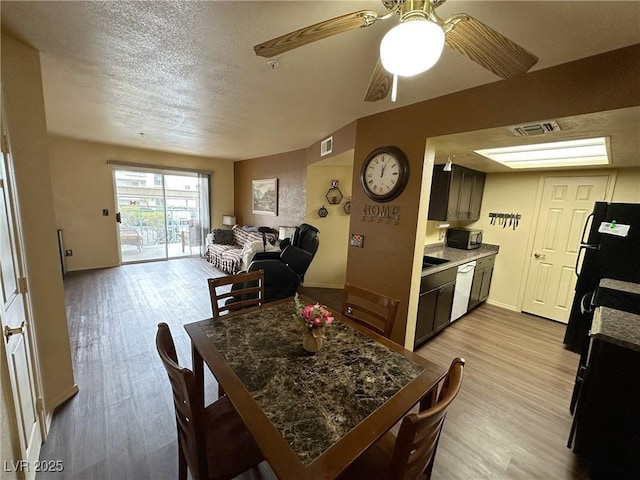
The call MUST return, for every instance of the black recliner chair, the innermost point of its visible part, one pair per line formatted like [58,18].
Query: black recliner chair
[284,271]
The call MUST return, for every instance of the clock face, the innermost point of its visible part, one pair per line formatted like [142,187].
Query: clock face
[384,174]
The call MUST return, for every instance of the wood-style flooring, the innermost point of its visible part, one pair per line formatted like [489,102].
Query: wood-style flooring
[510,421]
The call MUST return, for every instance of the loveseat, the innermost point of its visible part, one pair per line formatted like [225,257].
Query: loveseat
[226,248]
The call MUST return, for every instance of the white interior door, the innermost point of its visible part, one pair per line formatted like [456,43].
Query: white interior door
[566,204]
[15,328]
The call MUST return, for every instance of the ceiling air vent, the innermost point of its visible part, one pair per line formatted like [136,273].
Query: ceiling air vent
[539,128]
[326,146]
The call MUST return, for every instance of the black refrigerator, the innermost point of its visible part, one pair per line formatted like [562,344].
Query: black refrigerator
[611,249]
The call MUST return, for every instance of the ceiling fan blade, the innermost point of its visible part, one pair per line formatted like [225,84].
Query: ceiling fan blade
[486,47]
[313,33]
[379,85]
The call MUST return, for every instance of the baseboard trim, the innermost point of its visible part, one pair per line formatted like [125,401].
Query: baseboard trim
[322,285]
[513,308]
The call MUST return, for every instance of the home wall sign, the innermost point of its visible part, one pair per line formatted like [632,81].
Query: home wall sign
[381,213]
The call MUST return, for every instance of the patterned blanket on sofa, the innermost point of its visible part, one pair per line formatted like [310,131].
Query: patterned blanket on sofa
[225,251]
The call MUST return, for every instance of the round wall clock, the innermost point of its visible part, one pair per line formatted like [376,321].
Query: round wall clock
[384,174]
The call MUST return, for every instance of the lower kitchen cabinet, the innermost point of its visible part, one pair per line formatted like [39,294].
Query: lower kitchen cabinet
[607,415]
[481,281]
[434,304]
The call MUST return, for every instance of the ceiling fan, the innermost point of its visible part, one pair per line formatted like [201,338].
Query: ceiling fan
[415,44]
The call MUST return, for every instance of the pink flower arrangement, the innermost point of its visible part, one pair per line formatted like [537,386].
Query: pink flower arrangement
[314,315]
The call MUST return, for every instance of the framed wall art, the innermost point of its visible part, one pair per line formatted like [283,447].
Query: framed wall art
[265,196]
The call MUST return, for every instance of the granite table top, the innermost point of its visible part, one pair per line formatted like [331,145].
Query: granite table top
[616,326]
[331,391]
[456,256]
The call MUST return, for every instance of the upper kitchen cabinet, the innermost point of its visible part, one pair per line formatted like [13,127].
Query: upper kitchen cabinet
[456,195]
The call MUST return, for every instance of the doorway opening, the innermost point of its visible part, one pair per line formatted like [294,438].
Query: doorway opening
[161,214]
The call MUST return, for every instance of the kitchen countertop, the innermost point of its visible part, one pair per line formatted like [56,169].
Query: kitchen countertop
[620,285]
[455,256]
[619,295]
[616,326]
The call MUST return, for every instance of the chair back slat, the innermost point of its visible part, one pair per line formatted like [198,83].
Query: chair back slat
[236,292]
[188,407]
[419,433]
[370,309]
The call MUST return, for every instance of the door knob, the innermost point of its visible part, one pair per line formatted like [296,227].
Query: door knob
[8,332]
[539,255]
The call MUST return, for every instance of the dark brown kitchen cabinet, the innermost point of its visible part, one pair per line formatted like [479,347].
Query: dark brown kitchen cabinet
[434,304]
[481,282]
[456,195]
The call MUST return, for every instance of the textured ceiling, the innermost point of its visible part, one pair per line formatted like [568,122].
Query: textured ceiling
[621,127]
[185,74]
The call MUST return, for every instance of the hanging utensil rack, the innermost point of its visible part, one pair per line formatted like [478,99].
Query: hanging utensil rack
[504,220]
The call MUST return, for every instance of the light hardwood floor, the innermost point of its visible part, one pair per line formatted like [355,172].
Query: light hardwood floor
[510,421]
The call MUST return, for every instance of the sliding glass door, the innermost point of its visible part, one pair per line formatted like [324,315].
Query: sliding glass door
[162,214]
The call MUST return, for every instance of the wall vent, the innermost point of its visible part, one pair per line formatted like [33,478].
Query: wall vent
[326,146]
[538,128]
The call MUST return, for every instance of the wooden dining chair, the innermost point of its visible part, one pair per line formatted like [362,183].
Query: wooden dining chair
[213,442]
[410,454]
[369,309]
[236,292]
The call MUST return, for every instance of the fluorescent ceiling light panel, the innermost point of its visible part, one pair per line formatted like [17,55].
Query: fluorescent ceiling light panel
[571,153]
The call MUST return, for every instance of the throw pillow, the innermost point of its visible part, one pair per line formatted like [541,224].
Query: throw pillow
[222,236]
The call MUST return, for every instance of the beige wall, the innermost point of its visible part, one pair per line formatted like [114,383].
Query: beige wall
[435,234]
[24,107]
[518,193]
[329,266]
[627,188]
[83,185]
[508,192]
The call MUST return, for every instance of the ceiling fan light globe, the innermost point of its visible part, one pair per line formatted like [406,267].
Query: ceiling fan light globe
[411,47]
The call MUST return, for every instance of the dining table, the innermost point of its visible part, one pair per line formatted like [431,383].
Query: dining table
[311,415]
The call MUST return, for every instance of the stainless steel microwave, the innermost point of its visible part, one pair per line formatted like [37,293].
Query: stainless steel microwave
[464,238]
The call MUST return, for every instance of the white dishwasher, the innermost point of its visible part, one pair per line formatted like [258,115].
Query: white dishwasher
[464,279]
